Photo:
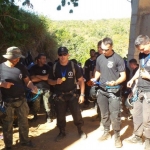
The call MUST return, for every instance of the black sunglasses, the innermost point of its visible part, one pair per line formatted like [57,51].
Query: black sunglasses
[63,54]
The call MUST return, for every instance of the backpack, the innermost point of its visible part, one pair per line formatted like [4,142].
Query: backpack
[73,69]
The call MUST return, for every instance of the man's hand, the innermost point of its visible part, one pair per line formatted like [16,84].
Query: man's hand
[6,85]
[144,74]
[111,83]
[93,80]
[129,84]
[59,81]
[34,90]
[81,99]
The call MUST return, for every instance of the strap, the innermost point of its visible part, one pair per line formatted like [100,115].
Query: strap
[113,87]
[73,69]
[72,65]
[0,72]
[54,68]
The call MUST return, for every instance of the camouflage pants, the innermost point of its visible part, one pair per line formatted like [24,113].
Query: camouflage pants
[36,103]
[22,111]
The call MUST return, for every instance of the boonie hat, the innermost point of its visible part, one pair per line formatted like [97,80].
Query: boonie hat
[62,50]
[13,53]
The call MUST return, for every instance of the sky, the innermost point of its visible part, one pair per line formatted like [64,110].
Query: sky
[87,9]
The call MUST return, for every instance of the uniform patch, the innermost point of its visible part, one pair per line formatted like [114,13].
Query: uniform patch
[110,64]
[70,74]
[148,63]
[44,71]
[20,76]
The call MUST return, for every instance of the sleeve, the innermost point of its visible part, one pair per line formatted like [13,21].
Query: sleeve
[32,72]
[51,76]
[97,65]
[78,72]
[25,72]
[121,65]
[48,69]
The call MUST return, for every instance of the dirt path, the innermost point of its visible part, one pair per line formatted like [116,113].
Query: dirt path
[43,135]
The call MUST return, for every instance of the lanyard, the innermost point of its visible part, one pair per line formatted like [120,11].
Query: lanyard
[63,73]
[144,62]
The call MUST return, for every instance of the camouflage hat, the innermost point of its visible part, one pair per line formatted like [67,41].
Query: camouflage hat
[13,53]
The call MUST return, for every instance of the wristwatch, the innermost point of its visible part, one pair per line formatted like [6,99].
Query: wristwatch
[82,95]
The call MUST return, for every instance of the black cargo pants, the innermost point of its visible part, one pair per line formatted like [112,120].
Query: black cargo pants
[62,102]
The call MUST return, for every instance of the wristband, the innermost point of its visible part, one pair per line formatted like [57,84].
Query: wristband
[82,95]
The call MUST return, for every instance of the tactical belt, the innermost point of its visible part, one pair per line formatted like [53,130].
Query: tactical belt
[70,92]
[110,89]
[11,100]
[61,94]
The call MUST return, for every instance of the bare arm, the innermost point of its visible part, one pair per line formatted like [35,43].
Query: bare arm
[6,85]
[121,78]
[136,75]
[38,78]
[82,89]
[54,82]
[129,84]
[97,75]
[30,85]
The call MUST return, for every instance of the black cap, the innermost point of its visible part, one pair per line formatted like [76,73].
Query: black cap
[62,50]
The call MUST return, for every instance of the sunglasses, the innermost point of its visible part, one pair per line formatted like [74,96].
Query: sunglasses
[63,54]
[105,49]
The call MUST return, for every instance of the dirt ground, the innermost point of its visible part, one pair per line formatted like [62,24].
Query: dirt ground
[43,134]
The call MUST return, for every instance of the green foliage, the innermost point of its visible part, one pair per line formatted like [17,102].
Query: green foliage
[39,34]
[81,36]
[25,30]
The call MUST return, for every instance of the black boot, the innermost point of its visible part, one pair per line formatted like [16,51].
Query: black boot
[28,144]
[61,135]
[48,119]
[118,142]
[82,135]
[8,148]
[147,144]
[35,117]
[106,135]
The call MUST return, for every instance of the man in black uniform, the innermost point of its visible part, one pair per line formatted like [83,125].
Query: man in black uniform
[14,79]
[141,108]
[39,75]
[110,68]
[134,66]
[64,78]
[88,66]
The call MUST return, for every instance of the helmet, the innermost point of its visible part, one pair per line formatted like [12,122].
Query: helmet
[93,93]
[129,103]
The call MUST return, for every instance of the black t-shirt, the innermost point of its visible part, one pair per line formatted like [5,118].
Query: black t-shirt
[67,71]
[40,70]
[110,67]
[144,84]
[15,75]
[89,66]
[93,64]
[134,70]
